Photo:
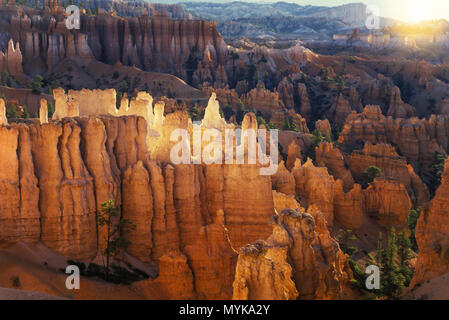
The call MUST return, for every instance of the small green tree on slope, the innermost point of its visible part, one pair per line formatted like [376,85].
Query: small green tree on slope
[394,264]
[405,254]
[116,232]
[370,174]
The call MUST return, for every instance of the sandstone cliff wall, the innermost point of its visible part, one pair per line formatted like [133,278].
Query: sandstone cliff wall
[416,139]
[57,174]
[189,218]
[150,43]
[299,259]
[385,157]
[432,235]
[11,61]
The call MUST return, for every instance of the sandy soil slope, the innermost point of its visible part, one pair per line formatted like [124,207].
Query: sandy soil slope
[39,277]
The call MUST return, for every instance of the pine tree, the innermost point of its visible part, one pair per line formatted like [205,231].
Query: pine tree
[370,174]
[116,232]
[392,280]
[286,125]
[344,238]
[317,138]
[195,113]
[412,220]
[379,253]
[404,254]
[50,109]
[26,114]
[240,112]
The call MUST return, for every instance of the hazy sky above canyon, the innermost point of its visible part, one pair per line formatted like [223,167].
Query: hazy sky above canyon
[406,10]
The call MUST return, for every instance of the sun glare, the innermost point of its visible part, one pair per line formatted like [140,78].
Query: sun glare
[418,10]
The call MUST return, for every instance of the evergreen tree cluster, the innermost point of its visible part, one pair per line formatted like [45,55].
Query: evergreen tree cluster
[412,220]
[436,171]
[394,264]
[393,261]
[370,174]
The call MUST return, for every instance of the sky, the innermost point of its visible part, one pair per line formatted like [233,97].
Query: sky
[405,10]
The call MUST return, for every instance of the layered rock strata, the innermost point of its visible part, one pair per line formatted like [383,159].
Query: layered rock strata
[57,174]
[299,259]
[385,157]
[155,43]
[432,234]
[416,139]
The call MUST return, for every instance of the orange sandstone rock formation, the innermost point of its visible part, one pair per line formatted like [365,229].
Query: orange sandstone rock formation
[388,201]
[174,282]
[304,108]
[20,219]
[56,175]
[294,153]
[136,187]
[333,267]
[329,156]
[189,218]
[298,121]
[339,110]
[263,273]
[385,157]
[11,60]
[43,111]
[399,109]
[283,181]
[314,186]
[324,127]
[348,207]
[263,100]
[155,43]
[416,139]
[298,259]
[286,93]
[3,119]
[432,235]
[282,201]
[66,202]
